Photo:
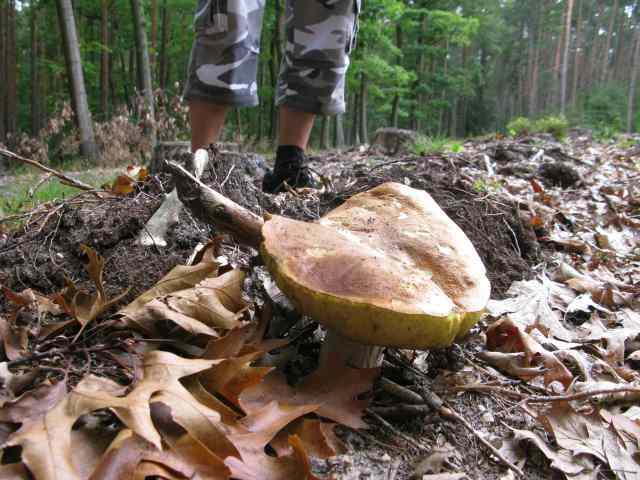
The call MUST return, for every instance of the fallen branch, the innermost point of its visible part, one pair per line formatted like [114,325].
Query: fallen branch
[168,215]
[215,209]
[583,395]
[66,179]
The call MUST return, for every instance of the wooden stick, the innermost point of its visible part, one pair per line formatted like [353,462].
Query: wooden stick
[215,209]
[583,395]
[65,178]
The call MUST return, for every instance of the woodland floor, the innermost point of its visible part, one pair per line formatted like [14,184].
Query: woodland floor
[563,227]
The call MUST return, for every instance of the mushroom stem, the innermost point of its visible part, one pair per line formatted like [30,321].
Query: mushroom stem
[349,352]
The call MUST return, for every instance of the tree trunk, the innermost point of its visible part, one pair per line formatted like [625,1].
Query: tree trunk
[35,74]
[163,46]
[355,133]
[154,33]
[72,47]
[3,71]
[577,62]
[565,61]
[633,85]
[144,67]
[325,133]
[338,131]
[104,59]
[607,46]
[590,73]
[396,99]
[364,137]
[11,119]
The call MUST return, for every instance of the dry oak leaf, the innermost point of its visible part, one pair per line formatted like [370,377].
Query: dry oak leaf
[592,435]
[506,337]
[561,460]
[334,387]
[128,451]
[84,306]
[46,442]
[318,438]
[534,304]
[214,303]
[181,277]
[254,432]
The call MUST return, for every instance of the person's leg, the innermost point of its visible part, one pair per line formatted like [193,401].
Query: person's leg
[207,120]
[320,36]
[223,65]
[294,127]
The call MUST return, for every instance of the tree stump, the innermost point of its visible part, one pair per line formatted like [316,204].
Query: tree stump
[395,140]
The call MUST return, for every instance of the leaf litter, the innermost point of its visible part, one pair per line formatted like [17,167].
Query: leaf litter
[176,386]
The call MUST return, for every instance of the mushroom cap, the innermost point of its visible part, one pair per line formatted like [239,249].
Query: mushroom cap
[388,267]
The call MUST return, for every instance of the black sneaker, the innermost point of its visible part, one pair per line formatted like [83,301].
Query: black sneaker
[290,168]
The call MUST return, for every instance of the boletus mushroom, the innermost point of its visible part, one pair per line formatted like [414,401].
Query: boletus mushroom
[386,268]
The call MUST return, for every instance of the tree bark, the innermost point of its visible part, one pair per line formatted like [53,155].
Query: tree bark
[395,107]
[565,61]
[104,59]
[607,46]
[577,62]
[72,47]
[364,135]
[163,46]
[633,85]
[325,133]
[11,120]
[144,67]
[338,131]
[35,74]
[3,71]
[154,33]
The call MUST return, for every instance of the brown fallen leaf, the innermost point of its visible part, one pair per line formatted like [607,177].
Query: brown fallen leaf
[211,305]
[536,304]
[562,460]
[32,405]
[13,385]
[318,438]
[84,306]
[46,441]
[507,337]
[335,389]
[259,430]
[590,434]
[128,451]
[14,340]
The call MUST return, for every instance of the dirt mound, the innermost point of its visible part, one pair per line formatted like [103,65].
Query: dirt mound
[47,248]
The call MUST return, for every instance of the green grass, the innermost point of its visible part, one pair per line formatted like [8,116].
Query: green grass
[14,190]
[427,145]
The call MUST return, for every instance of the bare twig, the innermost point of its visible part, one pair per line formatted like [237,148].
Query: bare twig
[583,395]
[65,178]
[397,432]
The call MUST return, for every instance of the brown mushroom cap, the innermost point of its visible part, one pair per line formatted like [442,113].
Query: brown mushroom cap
[388,267]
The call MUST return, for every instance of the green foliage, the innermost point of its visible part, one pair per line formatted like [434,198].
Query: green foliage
[520,126]
[16,196]
[605,109]
[555,125]
[425,145]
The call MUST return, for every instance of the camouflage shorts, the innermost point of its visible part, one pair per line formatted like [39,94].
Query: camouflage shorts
[320,34]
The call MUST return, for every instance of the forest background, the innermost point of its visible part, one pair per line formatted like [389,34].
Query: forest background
[442,68]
